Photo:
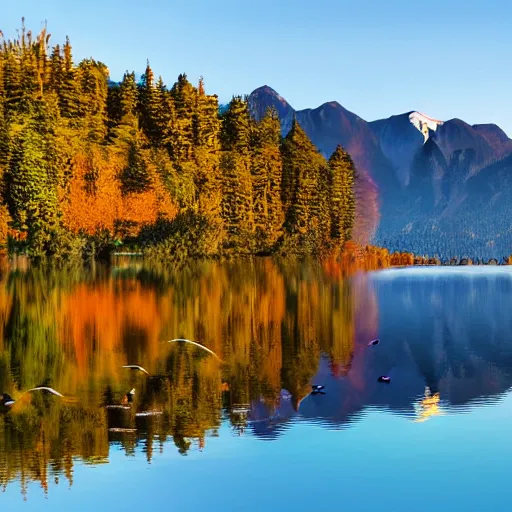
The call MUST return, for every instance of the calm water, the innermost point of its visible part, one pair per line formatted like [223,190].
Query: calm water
[245,433]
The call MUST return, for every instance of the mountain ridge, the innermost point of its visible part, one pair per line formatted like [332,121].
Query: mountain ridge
[419,176]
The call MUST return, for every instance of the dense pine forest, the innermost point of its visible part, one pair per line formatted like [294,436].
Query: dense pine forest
[88,165]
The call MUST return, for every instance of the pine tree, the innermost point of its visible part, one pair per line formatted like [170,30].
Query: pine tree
[302,164]
[33,177]
[207,151]
[92,79]
[342,206]
[184,95]
[266,173]
[123,109]
[150,102]
[237,202]
[68,88]
[135,176]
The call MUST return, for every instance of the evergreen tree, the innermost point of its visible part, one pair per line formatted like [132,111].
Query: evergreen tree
[237,202]
[32,179]
[184,95]
[342,206]
[266,170]
[124,111]
[92,79]
[207,151]
[302,164]
[69,99]
[135,176]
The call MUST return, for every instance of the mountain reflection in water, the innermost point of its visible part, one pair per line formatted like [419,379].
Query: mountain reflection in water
[279,327]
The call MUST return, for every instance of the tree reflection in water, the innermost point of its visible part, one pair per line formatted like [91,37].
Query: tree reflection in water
[74,329]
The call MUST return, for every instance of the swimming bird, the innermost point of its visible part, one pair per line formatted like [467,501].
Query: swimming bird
[385,379]
[197,345]
[136,367]
[318,389]
[128,398]
[6,400]
[374,342]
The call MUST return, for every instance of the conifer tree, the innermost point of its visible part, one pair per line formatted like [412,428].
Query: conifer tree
[207,151]
[302,164]
[92,79]
[32,179]
[342,206]
[237,203]
[68,88]
[266,170]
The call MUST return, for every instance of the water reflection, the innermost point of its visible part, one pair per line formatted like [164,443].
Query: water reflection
[278,328]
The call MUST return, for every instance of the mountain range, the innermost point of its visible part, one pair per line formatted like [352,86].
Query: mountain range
[431,187]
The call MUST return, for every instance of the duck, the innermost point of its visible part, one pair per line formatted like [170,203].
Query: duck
[128,398]
[374,342]
[318,389]
[385,379]
[6,400]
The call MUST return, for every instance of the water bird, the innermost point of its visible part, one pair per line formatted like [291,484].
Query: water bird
[136,367]
[385,379]
[6,400]
[318,389]
[128,398]
[374,342]
[197,345]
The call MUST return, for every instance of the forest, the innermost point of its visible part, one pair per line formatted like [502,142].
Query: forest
[89,165]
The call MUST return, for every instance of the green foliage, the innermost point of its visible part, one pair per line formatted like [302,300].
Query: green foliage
[342,182]
[189,235]
[238,186]
[135,176]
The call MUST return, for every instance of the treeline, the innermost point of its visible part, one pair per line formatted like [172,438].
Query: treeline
[88,165]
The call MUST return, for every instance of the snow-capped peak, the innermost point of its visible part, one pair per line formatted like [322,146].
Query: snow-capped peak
[424,123]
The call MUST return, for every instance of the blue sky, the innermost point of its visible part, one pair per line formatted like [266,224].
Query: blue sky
[447,58]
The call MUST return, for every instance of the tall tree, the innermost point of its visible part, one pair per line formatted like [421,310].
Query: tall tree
[342,197]
[266,170]
[237,201]
[302,164]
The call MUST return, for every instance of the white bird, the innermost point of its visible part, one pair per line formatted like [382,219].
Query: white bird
[7,401]
[44,388]
[136,367]
[197,345]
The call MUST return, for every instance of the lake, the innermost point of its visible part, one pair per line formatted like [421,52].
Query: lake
[239,429]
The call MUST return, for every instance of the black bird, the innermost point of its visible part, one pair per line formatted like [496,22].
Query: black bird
[6,400]
[385,379]
[318,389]
[374,342]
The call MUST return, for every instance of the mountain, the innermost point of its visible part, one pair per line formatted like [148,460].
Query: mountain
[327,126]
[439,187]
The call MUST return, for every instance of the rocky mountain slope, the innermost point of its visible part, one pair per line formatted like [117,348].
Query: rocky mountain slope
[439,188]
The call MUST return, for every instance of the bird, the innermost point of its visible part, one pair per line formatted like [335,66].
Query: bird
[197,345]
[136,367]
[128,398]
[318,389]
[7,401]
[374,342]
[385,379]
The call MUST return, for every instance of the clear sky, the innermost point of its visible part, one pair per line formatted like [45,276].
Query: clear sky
[447,58]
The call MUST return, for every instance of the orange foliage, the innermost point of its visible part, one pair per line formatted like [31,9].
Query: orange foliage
[94,204]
